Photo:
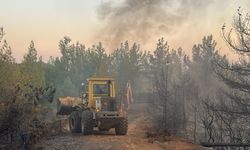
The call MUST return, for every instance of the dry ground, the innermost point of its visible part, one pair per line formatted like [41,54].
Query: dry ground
[135,139]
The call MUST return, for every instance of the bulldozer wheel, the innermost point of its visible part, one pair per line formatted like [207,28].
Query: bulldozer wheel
[122,127]
[75,122]
[87,122]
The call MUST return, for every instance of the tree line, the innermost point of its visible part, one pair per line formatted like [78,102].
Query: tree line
[205,91]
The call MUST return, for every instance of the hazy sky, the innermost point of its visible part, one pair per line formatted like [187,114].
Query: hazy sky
[48,21]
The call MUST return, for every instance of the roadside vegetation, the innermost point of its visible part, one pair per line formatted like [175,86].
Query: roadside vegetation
[200,97]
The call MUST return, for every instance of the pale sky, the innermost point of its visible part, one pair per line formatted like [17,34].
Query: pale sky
[48,21]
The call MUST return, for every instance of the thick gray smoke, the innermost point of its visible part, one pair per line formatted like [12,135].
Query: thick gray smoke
[139,20]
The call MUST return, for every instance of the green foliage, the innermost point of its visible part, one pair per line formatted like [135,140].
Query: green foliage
[5,49]
[9,77]
[205,57]
[78,63]
[97,61]
[68,88]
[31,70]
[128,63]
[169,74]
[31,56]
[9,72]
[205,52]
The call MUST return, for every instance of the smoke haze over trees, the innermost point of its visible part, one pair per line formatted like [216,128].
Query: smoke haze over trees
[145,20]
[203,97]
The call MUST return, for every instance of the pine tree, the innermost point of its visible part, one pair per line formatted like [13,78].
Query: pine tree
[5,49]
[31,56]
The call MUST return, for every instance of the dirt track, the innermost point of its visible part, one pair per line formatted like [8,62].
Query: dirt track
[135,139]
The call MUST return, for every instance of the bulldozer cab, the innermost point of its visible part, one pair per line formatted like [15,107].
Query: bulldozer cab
[99,87]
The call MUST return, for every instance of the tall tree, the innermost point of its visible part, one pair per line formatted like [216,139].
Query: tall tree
[160,61]
[204,82]
[5,49]
[127,64]
[31,70]
[31,56]
[237,75]
[231,112]
[8,69]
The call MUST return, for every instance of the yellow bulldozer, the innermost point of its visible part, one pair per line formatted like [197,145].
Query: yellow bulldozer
[97,107]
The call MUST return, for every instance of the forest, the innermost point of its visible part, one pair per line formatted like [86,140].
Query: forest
[202,97]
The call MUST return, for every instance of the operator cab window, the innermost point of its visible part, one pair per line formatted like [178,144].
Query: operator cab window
[100,89]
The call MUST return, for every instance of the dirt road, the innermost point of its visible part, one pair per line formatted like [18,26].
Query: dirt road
[135,139]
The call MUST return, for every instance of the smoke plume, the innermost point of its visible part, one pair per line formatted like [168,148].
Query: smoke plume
[140,20]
